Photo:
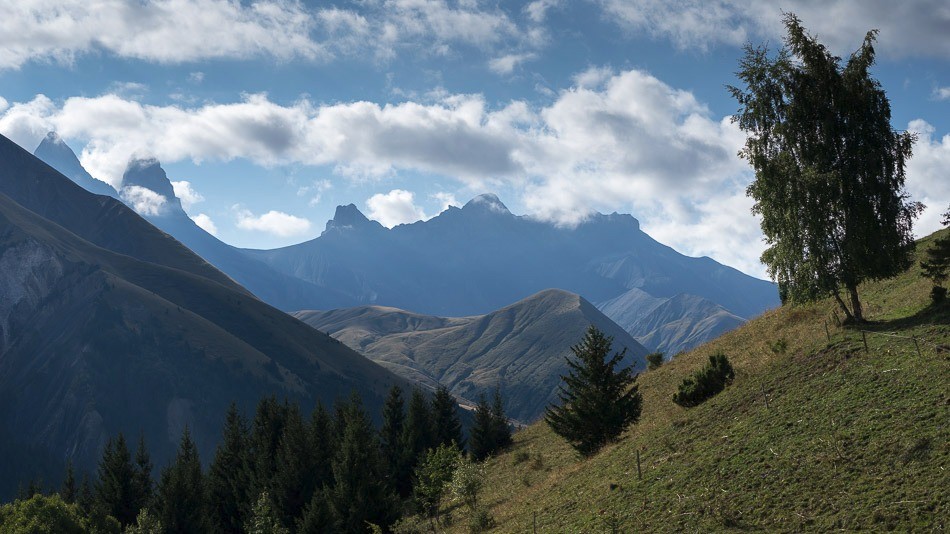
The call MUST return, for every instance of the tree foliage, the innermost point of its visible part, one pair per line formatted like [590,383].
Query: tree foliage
[936,263]
[182,506]
[446,424]
[229,477]
[829,169]
[598,400]
[706,382]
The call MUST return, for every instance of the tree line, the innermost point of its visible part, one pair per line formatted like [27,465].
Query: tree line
[281,471]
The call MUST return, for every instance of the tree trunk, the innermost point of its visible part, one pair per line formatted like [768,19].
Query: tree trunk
[844,307]
[856,304]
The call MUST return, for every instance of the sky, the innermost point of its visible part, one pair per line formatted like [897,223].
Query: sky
[268,114]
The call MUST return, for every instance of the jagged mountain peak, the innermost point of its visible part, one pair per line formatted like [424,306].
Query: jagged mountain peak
[349,216]
[57,154]
[486,203]
[147,172]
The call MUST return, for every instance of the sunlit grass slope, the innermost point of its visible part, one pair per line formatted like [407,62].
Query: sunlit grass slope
[849,439]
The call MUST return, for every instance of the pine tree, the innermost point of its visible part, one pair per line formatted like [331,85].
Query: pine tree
[264,519]
[268,428]
[597,400]
[417,432]
[115,494]
[445,419]
[323,445]
[182,506]
[68,490]
[483,434]
[86,498]
[295,479]
[500,422]
[360,492]
[317,518]
[229,477]
[936,264]
[143,488]
[391,442]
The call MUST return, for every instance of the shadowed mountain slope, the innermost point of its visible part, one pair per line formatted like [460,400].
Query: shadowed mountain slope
[93,342]
[520,348]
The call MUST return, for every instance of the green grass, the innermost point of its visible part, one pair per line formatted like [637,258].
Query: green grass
[851,439]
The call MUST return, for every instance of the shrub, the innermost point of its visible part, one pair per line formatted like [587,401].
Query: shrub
[706,382]
[654,360]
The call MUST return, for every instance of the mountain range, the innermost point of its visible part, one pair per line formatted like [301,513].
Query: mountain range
[108,324]
[520,349]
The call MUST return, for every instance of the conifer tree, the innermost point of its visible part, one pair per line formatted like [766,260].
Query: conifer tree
[295,479]
[143,488]
[115,492]
[482,434]
[229,477]
[500,422]
[360,492]
[182,506]
[68,491]
[597,400]
[264,519]
[936,264]
[86,498]
[268,428]
[417,432]
[322,446]
[391,443]
[317,518]
[445,419]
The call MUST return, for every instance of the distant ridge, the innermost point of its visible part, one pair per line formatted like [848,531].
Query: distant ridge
[520,348]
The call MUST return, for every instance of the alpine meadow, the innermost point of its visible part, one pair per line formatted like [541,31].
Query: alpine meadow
[587,266]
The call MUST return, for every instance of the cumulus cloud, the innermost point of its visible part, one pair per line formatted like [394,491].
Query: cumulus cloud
[506,64]
[942,93]
[445,200]
[394,208]
[204,222]
[186,194]
[179,31]
[273,222]
[909,28]
[144,200]
[928,175]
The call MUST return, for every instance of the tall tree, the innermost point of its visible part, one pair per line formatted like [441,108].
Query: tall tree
[391,441]
[446,424]
[598,400]
[268,428]
[323,445]
[360,493]
[295,479]
[417,433]
[482,436]
[143,487]
[936,263]
[115,493]
[182,504]
[229,477]
[829,169]
[500,422]
[68,491]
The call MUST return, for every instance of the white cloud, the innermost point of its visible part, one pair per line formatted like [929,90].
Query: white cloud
[273,222]
[163,31]
[144,200]
[394,208]
[187,194]
[928,175]
[908,28]
[204,222]
[942,93]
[538,10]
[506,64]
[315,191]
[196,77]
[445,200]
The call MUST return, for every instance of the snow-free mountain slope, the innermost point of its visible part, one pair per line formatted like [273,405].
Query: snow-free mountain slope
[520,348]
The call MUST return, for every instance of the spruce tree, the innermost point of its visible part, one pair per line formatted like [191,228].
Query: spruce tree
[500,422]
[482,434]
[323,446]
[417,432]
[597,400]
[86,498]
[391,443]
[68,491]
[229,477]
[445,419]
[295,479]
[936,264]
[360,493]
[317,518]
[182,505]
[264,519]
[268,428]
[115,492]
[143,488]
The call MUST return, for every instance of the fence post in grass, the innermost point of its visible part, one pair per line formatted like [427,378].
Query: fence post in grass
[864,337]
[837,319]
[766,397]
[639,473]
[827,333]
[916,345]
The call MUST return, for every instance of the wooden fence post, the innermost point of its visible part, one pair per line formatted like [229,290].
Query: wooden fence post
[916,345]
[864,337]
[639,472]
[826,331]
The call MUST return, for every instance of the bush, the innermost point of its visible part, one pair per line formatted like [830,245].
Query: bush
[706,382]
[654,360]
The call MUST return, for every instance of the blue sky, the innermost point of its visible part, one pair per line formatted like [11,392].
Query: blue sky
[268,114]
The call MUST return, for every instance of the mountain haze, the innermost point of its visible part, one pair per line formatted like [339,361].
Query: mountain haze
[97,341]
[520,348]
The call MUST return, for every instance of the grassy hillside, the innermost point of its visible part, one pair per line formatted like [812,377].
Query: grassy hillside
[849,439]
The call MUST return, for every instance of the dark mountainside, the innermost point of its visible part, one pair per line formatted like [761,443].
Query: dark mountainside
[520,348]
[98,341]
[275,288]
[478,258]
